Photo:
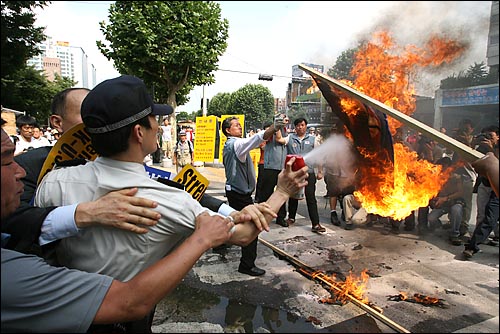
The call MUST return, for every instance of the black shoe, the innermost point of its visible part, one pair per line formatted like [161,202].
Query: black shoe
[318,229]
[468,253]
[255,271]
[334,219]
[455,241]
[349,226]
[281,222]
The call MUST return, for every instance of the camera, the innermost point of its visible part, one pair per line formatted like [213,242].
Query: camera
[483,136]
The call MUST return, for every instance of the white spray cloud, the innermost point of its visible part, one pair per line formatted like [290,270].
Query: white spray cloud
[336,154]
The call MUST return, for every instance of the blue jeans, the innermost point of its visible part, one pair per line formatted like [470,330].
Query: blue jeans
[484,227]
[455,213]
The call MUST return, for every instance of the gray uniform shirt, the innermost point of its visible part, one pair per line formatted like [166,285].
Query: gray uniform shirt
[37,297]
[238,165]
[295,145]
[274,155]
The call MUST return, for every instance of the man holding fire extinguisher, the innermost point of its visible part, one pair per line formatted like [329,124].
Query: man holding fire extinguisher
[301,143]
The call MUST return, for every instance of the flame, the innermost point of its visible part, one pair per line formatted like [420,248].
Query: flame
[426,300]
[385,72]
[418,298]
[313,89]
[354,286]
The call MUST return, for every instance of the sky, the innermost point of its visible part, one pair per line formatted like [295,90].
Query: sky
[270,37]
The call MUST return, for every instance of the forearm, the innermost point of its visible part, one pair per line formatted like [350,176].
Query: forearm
[134,299]
[246,232]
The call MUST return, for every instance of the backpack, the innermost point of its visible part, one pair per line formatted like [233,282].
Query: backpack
[190,144]
[14,138]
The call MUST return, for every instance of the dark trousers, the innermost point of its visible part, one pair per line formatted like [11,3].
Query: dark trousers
[269,180]
[259,185]
[248,253]
[312,203]
[484,227]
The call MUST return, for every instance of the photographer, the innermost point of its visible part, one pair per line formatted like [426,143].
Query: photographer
[449,201]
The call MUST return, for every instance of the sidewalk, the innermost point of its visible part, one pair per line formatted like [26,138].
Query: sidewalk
[213,172]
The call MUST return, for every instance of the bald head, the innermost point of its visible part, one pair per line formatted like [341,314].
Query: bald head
[66,108]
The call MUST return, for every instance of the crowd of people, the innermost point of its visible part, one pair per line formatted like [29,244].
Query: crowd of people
[31,135]
[144,235]
[454,200]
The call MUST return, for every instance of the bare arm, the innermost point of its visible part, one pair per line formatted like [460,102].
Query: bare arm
[134,299]
[119,209]
[254,213]
[269,132]
[279,138]
[488,166]
[289,183]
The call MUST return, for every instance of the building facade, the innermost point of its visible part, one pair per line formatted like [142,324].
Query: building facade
[59,57]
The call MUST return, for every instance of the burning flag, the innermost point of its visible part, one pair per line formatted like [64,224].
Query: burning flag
[392,180]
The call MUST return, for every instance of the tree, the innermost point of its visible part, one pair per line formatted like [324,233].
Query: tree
[30,91]
[341,70]
[19,35]
[297,111]
[255,102]
[475,75]
[220,104]
[22,88]
[172,45]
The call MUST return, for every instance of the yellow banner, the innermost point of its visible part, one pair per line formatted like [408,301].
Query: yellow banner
[204,145]
[73,144]
[194,183]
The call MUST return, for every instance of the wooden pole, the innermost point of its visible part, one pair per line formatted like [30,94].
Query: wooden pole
[466,152]
[326,281]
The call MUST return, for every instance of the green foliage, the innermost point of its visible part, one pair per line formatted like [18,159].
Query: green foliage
[297,111]
[183,116]
[476,75]
[23,87]
[172,45]
[19,36]
[255,102]
[341,70]
[30,91]
[220,104]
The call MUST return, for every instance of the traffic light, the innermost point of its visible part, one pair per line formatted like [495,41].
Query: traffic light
[265,77]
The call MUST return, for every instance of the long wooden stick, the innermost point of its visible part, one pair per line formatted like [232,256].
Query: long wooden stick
[321,278]
[467,153]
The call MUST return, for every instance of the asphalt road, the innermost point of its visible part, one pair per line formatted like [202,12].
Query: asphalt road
[214,297]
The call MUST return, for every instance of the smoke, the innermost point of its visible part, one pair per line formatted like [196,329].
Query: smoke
[335,154]
[414,22]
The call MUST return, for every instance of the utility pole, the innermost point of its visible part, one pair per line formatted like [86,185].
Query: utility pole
[204,103]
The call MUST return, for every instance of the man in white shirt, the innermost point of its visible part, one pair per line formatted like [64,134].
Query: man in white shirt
[166,138]
[119,115]
[38,139]
[24,140]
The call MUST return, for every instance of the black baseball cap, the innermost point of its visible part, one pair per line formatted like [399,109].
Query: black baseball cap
[118,102]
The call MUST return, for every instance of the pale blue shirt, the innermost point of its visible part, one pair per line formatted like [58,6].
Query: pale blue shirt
[59,223]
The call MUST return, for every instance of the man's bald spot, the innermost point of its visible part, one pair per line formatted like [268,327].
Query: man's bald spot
[72,114]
